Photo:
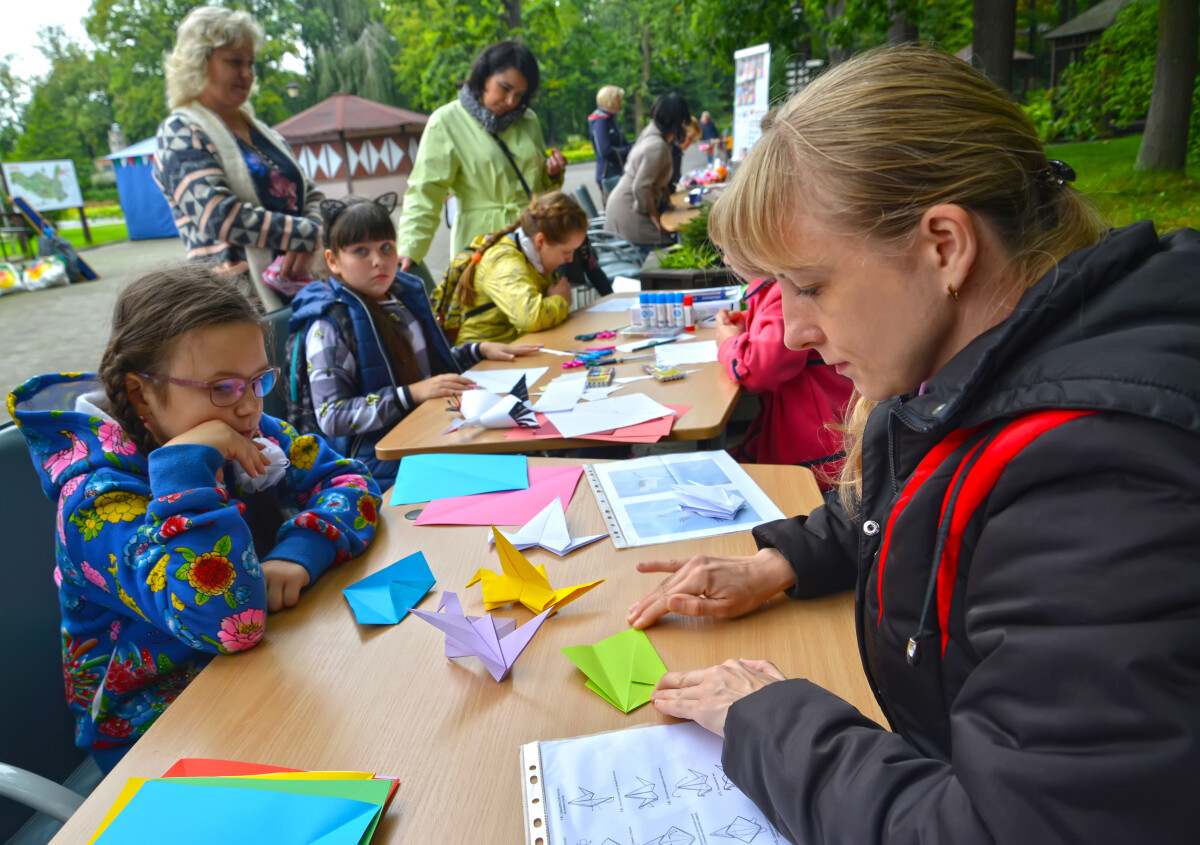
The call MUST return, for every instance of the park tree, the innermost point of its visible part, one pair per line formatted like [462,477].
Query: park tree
[12,94]
[993,40]
[1165,142]
[70,108]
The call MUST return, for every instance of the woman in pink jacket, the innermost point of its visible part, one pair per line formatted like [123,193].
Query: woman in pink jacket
[800,394]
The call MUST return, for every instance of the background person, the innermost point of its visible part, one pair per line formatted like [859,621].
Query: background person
[1019,515]
[709,134]
[512,290]
[237,193]
[608,141]
[487,148]
[633,207]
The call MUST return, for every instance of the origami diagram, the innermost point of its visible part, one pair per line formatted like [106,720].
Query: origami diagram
[498,642]
[523,582]
[741,829]
[588,799]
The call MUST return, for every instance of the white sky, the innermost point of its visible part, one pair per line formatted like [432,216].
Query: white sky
[22,18]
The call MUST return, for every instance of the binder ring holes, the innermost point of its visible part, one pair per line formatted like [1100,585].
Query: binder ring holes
[537,822]
[539,841]
[533,778]
[536,801]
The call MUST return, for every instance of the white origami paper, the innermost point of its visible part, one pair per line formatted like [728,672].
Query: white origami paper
[705,500]
[486,409]
[549,530]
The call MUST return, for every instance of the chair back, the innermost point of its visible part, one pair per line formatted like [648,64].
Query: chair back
[40,734]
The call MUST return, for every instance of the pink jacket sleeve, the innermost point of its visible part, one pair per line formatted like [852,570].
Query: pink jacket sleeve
[757,359]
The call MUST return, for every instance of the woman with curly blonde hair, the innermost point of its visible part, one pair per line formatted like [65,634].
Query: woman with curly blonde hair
[1019,509]
[239,197]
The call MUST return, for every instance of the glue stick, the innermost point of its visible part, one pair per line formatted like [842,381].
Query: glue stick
[689,321]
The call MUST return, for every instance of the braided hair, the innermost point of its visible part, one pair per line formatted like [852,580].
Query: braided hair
[151,315]
[554,215]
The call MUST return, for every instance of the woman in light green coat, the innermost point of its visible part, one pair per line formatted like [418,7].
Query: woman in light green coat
[475,147]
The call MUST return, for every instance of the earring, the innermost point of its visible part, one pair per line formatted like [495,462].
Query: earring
[953,293]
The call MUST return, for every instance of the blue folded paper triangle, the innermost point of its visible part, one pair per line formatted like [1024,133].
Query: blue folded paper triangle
[383,597]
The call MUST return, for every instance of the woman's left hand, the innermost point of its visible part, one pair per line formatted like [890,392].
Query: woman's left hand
[705,695]
[295,265]
[284,580]
[555,163]
[507,351]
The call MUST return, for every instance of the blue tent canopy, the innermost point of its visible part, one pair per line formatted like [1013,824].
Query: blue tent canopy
[147,214]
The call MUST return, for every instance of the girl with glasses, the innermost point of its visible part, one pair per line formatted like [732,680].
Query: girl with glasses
[185,514]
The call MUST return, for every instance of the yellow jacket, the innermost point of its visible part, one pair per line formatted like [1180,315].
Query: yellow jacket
[505,277]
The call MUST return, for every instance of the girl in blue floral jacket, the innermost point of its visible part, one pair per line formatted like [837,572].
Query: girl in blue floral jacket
[184,513]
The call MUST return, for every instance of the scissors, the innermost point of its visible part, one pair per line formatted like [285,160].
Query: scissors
[594,335]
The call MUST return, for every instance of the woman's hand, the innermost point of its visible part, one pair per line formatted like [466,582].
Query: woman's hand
[730,324]
[446,384]
[284,581]
[708,585]
[507,351]
[561,288]
[405,263]
[705,696]
[295,265]
[556,163]
[232,445]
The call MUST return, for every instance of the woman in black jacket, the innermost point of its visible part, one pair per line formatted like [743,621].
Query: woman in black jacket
[1021,506]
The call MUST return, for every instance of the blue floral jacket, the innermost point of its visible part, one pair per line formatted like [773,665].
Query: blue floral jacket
[156,568]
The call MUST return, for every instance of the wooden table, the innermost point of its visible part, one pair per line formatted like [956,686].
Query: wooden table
[322,692]
[710,393]
[682,212]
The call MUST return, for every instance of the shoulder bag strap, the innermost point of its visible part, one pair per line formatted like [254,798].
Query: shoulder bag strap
[508,154]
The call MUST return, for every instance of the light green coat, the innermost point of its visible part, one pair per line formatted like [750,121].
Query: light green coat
[507,279]
[457,154]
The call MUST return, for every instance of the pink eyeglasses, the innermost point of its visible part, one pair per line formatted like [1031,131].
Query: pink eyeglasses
[227,391]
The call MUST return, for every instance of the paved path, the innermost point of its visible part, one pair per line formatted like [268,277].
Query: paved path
[67,328]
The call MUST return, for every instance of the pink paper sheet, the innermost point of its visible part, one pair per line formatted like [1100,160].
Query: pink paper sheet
[513,507]
[647,432]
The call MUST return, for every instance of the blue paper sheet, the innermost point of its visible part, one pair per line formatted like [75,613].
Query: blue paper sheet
[383,597]
[184,814]
[423,478]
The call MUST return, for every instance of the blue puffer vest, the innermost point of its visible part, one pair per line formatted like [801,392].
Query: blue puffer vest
[333,301]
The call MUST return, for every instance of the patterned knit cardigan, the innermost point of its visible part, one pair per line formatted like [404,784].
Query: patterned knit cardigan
[199,167]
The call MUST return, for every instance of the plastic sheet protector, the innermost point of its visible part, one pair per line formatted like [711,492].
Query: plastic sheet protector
[641,508]
[659,785]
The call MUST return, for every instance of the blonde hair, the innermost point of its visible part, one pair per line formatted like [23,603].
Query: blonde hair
[610,97]
[692,130]
[203,30]
[874,143]
[553,214]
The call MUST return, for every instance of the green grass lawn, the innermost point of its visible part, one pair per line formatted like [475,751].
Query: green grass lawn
[1105,173]
[103,233]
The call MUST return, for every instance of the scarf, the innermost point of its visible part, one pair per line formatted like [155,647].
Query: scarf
[485,116]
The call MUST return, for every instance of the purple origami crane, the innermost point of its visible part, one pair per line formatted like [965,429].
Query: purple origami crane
[495,640]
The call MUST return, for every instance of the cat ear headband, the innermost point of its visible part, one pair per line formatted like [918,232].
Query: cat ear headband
[330,209]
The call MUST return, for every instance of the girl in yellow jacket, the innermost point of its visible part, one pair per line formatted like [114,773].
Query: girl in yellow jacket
[509,289]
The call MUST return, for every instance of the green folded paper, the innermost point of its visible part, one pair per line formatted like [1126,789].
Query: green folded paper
[622,669]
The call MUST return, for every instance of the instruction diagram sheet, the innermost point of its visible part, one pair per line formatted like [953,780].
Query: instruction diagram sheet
[659,785]
[641,507]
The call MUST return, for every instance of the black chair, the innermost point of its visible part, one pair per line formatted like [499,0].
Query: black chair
[274,403]
[40,754]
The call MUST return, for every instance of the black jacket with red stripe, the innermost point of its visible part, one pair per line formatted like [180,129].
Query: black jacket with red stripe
[1027,567]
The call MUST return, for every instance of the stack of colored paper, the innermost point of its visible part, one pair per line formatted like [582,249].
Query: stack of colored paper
[646,432]
[205,801]
[514,507]
[424,478]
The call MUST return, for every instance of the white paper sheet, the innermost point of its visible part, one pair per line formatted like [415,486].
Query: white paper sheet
[607,414]
[661,784]
[562,394]
[620,303]
[503,381]
[675,355]
[645,509]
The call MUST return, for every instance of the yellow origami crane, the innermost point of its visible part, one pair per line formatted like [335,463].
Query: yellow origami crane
[523,582]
